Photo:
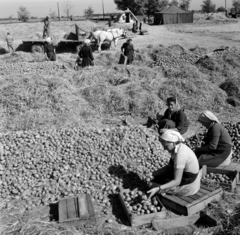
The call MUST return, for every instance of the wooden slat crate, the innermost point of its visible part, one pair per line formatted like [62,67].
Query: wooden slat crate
[233,166]
[76,210]
[136,220]
[233,175]
[207,224]
[190,205]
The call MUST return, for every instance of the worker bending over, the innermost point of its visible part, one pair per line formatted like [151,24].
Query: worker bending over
[181,177]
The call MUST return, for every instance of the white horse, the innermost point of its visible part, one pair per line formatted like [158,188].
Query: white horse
[109,35]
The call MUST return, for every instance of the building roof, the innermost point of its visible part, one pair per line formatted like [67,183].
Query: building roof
[172,10]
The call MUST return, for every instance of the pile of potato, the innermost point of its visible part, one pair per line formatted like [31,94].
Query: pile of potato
[42,166]
[218,178]
[234,131]
[29,67]
[137,202]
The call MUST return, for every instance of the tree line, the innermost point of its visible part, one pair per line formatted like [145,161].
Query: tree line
[149,7]
[138,7]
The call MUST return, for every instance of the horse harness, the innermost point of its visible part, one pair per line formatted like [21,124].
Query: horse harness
[113,35]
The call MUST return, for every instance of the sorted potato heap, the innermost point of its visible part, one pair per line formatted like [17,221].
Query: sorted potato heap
[234,132]
[26,67]
[42,166]
[138,203]
[216,178]
[173,56]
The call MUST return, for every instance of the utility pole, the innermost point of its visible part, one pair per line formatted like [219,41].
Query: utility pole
[103,10]
[225,5]
[58,12]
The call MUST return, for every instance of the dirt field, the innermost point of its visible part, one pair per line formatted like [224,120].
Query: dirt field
[103,106]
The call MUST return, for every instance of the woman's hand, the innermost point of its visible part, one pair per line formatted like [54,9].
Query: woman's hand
[153,191]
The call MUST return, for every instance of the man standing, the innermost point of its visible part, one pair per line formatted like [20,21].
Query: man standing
[46,27]
[9,40]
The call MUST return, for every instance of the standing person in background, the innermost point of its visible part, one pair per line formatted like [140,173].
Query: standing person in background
[110,21]
[49,50]
[128,51]
[140,26]
[9,40]
[46,27]
[86,54]
[134,28]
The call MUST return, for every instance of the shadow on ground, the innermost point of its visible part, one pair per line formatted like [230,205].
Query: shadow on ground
[3,51]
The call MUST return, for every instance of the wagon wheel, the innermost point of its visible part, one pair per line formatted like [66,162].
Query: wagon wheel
[37,49]
[238,15]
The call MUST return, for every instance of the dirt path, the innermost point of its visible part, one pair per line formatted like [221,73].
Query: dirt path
[210,35]
[189,36]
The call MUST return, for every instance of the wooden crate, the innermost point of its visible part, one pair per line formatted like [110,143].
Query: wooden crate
[76,210]
[189,205]
[136,220]
[233,166]
[233,175]
[207,225]
[184,223]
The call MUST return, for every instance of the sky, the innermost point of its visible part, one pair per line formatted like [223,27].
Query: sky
[41,8]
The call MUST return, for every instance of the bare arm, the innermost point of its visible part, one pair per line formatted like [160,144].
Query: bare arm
[178,173]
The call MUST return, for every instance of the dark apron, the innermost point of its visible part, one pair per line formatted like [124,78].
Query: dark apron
[187,177]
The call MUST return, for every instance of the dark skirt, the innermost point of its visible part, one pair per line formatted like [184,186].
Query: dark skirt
[87,62]
[123,59]
[214,159]
[51,56]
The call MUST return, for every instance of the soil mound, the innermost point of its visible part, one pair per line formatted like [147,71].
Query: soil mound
[232,87]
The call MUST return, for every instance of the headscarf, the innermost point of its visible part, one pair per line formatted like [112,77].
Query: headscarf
[172,136]
[87,41]
[48,40]
[207,117]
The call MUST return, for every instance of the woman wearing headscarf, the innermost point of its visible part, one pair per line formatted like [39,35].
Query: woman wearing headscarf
[86,54]
[127,51]
[49,50]
[174,118]
[181,176]
[217,150]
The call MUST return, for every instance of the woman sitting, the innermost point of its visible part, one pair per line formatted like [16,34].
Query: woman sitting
[174,118]
[217,150]
[86,54]
[181,176]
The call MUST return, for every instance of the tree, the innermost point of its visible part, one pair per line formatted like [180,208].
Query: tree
[236,3]
[184,4]
[23,14]
[67,9]
[208,6]
[136,6]
[174,2]
[152,6]
[221,9]
[89,11]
